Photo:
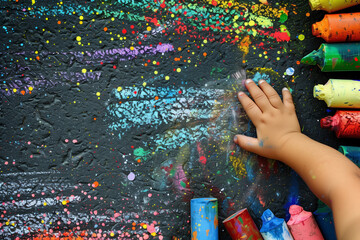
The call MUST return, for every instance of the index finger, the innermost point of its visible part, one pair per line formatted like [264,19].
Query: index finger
[258,95]
[251,109]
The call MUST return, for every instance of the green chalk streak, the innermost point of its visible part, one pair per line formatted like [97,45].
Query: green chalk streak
[183,184]
[335,57]
[172,172]
[283,18]
[241,220]
[141,153]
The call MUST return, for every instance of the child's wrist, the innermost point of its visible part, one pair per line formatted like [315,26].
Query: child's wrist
[292,145]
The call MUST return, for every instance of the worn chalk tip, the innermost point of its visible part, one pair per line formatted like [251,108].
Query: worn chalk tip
[315,29]
[319,92]
[310,59]
[326,122]
[267,215]
[315,4]
[295,209]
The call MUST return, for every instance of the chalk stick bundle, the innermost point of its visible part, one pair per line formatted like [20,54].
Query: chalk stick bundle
[341,53]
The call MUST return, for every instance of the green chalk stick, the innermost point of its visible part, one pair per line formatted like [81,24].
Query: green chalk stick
[335,57]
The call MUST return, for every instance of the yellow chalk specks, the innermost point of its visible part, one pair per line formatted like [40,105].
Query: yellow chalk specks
[251,23]
[301,37]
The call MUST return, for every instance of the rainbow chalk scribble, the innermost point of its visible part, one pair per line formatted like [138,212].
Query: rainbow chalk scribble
[115,114]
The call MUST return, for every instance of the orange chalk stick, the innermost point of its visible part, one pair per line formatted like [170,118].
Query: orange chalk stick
[338,27]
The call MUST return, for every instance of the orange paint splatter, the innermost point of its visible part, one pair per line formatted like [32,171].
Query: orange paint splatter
[95,184]
[244,45]
[204,54]
[105,29]
[59,22]
[216,222]
[261,200]
[194,236]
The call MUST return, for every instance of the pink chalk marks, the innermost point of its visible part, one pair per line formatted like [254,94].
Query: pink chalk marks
[177,176]
[73,141]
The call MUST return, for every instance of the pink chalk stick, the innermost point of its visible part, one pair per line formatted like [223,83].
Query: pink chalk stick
[302,224]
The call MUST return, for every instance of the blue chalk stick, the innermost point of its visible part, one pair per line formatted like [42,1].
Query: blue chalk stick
[274,228]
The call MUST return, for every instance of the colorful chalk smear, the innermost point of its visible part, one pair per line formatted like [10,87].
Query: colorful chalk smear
[240,225]
[339,93]
[114,114]
[335,57]
[204,219]
[274,228]
[332,5]
[325,220]
[344,27]
[302,224]
[351,152]
[345,124]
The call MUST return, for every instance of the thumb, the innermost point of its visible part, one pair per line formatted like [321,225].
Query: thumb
[248,143]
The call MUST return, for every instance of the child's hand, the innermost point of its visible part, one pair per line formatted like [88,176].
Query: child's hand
[275,121]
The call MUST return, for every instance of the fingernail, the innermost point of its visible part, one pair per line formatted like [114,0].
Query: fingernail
[285,89]
[235,139]
[248,81]
[241,94]
[261,81]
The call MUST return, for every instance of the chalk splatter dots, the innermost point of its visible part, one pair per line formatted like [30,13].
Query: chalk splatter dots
[114,114]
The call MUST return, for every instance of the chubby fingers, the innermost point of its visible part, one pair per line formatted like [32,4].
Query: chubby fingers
[287,98]
[271,94]
[258,95]
[251,109]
